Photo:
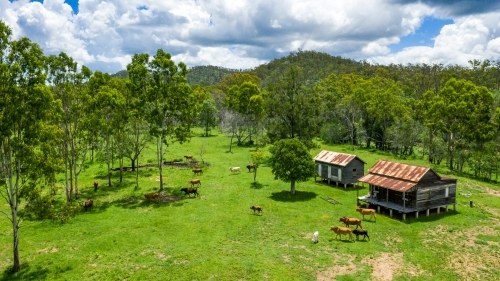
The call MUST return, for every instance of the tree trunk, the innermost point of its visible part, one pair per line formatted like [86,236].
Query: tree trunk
[108,159]
[121,168]
[254,174]
[292,187]
[15,228]
[136,173]
[159,145]
[133,165]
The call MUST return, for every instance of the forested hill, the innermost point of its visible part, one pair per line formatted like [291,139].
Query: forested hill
[315,66]
[206,75]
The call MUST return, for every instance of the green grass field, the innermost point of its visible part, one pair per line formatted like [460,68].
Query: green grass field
[217,237]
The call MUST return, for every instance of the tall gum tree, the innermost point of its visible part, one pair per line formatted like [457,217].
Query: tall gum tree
[28,120]
[170,103]
[462,111]
[68,86]
[294,109]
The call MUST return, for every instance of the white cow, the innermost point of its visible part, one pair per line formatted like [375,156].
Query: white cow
[234,170]
[315,237]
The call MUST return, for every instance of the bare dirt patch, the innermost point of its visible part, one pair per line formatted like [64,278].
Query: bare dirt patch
[493,191]
[47,250]
[385,266]
[343,265]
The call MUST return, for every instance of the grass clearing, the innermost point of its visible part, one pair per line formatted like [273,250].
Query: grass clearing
[217,237]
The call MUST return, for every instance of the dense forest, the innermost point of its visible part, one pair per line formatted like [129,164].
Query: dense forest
[55,115]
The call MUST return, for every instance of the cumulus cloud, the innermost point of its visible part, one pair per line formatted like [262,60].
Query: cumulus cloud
[243,34]
[470,37]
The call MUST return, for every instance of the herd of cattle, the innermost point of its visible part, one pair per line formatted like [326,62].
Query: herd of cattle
[339,231]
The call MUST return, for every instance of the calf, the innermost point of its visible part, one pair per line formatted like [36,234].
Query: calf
[96,185]
[234,170]
[198,171]
[351,221]
[370,212]
[251,167]
[189,157]
[88,204]
[190,191]
[195,181]
[342,230]
[256,208]
[151,196]
[359,232]
[315,237]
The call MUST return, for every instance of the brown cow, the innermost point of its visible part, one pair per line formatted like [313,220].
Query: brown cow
[189,157]
[342,230]
[88,204]
[198,171]
[96,185]
[256,208]
[351,221]
[195,181]
[151,196]
[370,212]
[251,167]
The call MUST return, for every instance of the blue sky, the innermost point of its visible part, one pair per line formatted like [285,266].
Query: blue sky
[423,36]
[104,35]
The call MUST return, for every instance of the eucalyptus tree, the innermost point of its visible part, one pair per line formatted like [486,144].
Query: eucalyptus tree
[462,112]
[342,105]
[247,102]
[68,86]
[28,127]
[293,108]
[138,131]
[170,104]
[208,115]
[108,110]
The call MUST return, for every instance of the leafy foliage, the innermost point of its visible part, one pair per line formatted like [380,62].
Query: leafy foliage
[290,161]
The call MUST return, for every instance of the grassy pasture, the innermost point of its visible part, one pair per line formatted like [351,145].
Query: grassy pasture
[217,236]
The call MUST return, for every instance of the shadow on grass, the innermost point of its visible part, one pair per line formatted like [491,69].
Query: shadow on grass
[257,185]
[343,241]
[286,196]
[26,273]
[433,216]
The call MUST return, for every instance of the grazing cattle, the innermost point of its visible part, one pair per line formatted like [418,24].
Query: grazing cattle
[96,185]
[251,167]
[370,212]
[195,181]
[342,231]
[351,221]
[234,170]
[88,204]
[189,157]
[256,208]
[315,237]
[190,190]
[359,232]
[151,196]
[198,171]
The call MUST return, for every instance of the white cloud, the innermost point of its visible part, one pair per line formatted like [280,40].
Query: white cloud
[243,34]
[468,38]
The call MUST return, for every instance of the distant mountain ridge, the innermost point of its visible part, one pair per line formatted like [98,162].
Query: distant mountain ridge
[315,67]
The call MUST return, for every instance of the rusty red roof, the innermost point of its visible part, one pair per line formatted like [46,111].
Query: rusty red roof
[336,158]
[391,183]
[400,171]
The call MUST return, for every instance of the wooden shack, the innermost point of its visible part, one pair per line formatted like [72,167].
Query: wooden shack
[408,188]
[340,168]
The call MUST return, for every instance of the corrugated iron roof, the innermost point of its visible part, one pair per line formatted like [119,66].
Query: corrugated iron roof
[336,158]
[400,171]
[391,183]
